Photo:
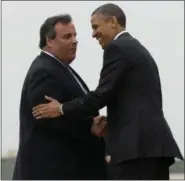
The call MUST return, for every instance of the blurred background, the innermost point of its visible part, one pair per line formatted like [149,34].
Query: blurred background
[158,25]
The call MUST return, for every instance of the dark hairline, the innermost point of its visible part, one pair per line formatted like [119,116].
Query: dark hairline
[47,29]
[109,10]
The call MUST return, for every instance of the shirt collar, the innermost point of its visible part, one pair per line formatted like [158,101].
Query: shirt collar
[54,57]
[120,33]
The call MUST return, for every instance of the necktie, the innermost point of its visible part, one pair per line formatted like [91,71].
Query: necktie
[84,90]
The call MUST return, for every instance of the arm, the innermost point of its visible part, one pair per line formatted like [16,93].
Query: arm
[115,63]
[41,84]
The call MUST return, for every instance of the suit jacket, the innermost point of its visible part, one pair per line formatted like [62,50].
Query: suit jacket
[61,148]
[130,87]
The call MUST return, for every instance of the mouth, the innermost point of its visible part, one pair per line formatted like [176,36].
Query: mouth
[99,39]
[73,49]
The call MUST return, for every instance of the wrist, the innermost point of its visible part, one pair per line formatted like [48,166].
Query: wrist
[61,109]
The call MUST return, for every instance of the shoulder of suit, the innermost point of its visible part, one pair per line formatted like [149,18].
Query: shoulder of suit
[38,65]
[113,45]
[122,43]
[43,61]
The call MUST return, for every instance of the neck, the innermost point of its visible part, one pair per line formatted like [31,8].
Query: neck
[56,57]
[120,29]
[47,50]
[118,32]
[50,52]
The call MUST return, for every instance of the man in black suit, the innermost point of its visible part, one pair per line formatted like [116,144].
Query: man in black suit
[63,148]
[138,137]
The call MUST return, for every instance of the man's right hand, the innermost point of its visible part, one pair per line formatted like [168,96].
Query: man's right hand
[99,125]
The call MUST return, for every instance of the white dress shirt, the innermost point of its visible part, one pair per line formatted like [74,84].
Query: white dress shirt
[120,33]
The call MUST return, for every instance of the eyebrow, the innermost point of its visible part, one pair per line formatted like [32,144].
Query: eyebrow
[94,26]
[70,33]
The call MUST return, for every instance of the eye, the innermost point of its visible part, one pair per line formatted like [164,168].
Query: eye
[94,27]
[67,36]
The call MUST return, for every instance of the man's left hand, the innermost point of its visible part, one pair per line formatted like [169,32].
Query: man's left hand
[99,125]
[48,110]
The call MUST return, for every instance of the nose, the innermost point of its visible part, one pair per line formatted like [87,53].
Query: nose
[74,40]
[94,34]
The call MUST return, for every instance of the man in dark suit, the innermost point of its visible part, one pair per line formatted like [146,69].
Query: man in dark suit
[138,137]
[63,148]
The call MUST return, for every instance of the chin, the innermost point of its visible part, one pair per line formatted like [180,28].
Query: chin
[71,59]
[103,46]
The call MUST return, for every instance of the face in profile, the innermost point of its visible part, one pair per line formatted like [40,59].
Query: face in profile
[103,29]
[64,45]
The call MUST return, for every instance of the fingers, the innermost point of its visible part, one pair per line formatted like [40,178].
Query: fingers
[38,114]
[48,110]
[104,133]
[49,98]
[99,129]
[102,117]
[98,119]
[40,106]
[39,111]
[39,117]
[41,114]
[108,158]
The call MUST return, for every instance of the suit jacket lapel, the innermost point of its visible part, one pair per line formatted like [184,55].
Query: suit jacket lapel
[58,64]
[65,69]
[80,79]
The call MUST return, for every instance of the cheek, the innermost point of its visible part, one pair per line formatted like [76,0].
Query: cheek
[60,43]
[65,44]
[62,47]
[105,36]
[103,31]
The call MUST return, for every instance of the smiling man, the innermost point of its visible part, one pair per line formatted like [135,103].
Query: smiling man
[139,139]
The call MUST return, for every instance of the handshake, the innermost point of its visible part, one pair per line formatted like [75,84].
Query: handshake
[99,126]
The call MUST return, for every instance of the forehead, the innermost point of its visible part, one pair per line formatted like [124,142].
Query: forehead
[97,19]
[65,28]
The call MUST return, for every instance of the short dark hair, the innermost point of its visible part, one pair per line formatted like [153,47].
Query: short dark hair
[111,9]
[48,27]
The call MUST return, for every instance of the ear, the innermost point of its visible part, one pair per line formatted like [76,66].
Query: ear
[49,42]
[113,21]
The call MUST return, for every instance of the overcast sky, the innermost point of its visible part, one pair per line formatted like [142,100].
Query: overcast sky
[158,25]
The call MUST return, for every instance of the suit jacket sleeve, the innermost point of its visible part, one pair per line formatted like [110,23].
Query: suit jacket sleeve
[116,61]
[41,84]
